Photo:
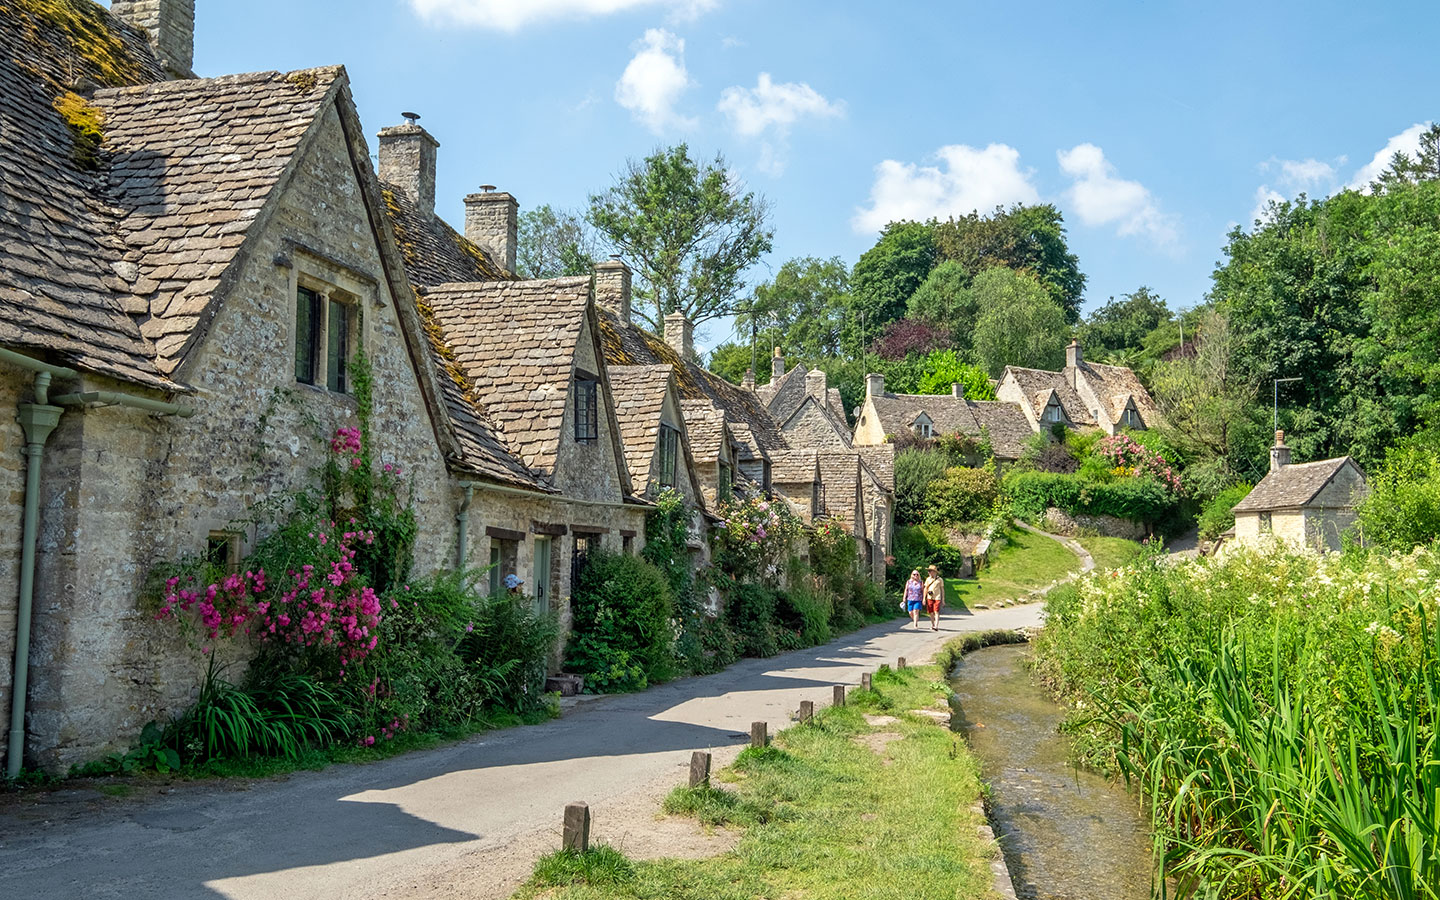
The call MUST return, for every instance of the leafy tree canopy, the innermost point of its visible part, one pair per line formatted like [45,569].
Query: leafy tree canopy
[1123,325]
[800,310]
[690,229]
[887,274]
[1024,238]
[551,243]
[1018,324]
[944,300]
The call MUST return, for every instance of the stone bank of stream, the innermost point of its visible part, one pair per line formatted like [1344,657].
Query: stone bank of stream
[1067,834]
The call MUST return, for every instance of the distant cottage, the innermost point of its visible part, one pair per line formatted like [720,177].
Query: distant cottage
[1308,505]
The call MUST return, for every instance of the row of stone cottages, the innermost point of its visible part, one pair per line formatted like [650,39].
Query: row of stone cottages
[179,308]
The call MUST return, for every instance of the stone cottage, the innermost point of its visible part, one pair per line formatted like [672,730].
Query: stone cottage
[886,415]
[1307,505]
[1082,395]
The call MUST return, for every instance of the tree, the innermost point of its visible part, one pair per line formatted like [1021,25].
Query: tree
[800,310]
[1023,238]
[690,229]
[1208,405]
[943,369]
[1018,324]
[1123,325]
[730,361]
[1424,166]
[906,336]
[944,299]
[551,243]
[885,276]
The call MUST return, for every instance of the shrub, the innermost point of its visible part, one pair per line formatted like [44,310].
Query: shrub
[914,471]
[751,612]
[1216,518]
[754,538]
[961,495]
[1137,499]
[805,609]
[1403,508]
[622,637]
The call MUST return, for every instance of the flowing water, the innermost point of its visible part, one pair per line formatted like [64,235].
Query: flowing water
[1067,834]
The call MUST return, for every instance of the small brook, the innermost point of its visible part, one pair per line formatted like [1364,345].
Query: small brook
[1067,834]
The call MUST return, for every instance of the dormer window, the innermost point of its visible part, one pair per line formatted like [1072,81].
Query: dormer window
[1054,413]
[669,456]
[587,409]
[924,427]
[1130,418]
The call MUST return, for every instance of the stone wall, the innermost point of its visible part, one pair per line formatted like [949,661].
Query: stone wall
[1058,521]
[14,388]
[811,429]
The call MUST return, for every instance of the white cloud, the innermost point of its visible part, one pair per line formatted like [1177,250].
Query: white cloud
[1303,173]
[967,180]
[769,110]
[653,81]
[1264,196]
[1407,141]
[512,15]
[1100,197]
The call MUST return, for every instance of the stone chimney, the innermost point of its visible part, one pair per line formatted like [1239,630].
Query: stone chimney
[874,385]
[777,365]
[170,26]
[491,223]
[680,335]
[748,382]
[612,287]
[1279,454]
[957,390]
[815,385]
[407,162]
[1074,358]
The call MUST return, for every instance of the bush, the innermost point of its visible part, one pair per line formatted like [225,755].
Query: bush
[751,612]
[805,609]
[1136,499]
[962,495]
[1403,508]
[622,637]
[914,471]
[917,547]
[1216,518]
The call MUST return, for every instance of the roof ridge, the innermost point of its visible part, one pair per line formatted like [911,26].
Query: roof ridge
[189,84]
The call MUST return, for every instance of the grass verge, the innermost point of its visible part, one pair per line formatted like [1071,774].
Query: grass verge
[823,815]
[1026,562]
[1110,552]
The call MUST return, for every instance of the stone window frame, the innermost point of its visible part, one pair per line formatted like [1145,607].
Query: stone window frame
[586,407]
[1266,523]
[335,283]
[226,542]
[667,445]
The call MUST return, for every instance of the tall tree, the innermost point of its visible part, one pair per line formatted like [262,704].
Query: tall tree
[1407,169]
[690,229]
[944,299]
[1209,405]
[884,278]
[554,242]
[801,310]
[1024,238]
[1122,325]
[1018,325]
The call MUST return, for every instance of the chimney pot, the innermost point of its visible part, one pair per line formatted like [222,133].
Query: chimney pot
[680,335]
[815,385]
[411,118]
[612,287]
[1074,356]
[170,26]
[1279,454]
[491,223]
[407,162]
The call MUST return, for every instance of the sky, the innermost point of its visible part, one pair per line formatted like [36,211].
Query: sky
[1154,127]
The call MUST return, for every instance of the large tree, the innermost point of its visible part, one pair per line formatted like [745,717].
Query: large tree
[800,310]
[1024,238]
[690,229]
[884,278]
[1018,324]
[554,242]
[944,299]
[1121,326]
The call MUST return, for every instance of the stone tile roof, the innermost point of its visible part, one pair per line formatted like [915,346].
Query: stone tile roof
[191,165]
[840,480]
[880,460]
[1006,424]
[1036,385]
[434,252]
[785,394]
[483,449]
[750,449]
[706,425]
[639,393]
[793,467]
[1291,486]
[1115,385]
[950,414]
[59,292]
[516,342]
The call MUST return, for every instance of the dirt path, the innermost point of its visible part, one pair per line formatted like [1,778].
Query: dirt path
[465,820]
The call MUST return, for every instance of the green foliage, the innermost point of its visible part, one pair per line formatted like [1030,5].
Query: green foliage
[1018,324]
[712,806]
[1279,707]
[1216,517]
[149,754]
[601,866]
[689,230]
[915,470]
[801,310]
[730,361]
[1121,326]
[754,538]
[1137,499]
[917,547]
[1022,238]
[551,243]
[751,612]
[944,368]
[944,299]
[622,638]
[887,274]
[1403,508]
[961,495]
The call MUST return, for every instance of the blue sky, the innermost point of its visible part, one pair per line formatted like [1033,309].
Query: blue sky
[1153,126]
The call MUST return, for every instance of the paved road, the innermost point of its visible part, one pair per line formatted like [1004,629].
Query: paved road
[375,830]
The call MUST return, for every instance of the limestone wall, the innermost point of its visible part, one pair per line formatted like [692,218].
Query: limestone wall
[809,428]
[589,471]
[14,387]
[1058,521]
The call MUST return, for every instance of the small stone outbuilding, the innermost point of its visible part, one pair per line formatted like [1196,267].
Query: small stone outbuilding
[1307,505]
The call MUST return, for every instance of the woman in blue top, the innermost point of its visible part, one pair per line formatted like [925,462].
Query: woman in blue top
[914,594]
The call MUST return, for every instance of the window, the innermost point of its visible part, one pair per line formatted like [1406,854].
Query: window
[323,333]
[584,543]
[1054,412]
[587,409]
[1130,418]
[669,455]
[222,550]
[543,546]
[1266,526]
[924,426]
[765,469]
[503,555]
[627,544]
[726,487]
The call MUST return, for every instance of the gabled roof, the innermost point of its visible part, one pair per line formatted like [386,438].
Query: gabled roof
[826,414]
[750,450]
[516,342]
[639,394]
[1294,485]
[434,252]
[1036,386]
[784,395]
[794,467]
[1006,424]
[880,460]
[706,425]
[1115,386]
[898,412]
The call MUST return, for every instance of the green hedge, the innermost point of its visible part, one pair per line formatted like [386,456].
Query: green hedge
[1137,499]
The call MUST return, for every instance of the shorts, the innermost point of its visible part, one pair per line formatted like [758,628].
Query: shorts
[913,606]
[932,606]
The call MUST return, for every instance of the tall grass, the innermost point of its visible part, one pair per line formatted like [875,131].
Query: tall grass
[1277,709]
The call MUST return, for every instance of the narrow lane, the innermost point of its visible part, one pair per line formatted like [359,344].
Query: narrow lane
[378,829]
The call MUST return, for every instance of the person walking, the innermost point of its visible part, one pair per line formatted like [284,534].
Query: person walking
[913,600]
[934,597]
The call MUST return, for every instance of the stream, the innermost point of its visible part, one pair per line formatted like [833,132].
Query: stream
[1067,834]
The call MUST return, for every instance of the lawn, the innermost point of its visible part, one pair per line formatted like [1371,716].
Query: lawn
[1109,552]
[822,814]
[1028,561]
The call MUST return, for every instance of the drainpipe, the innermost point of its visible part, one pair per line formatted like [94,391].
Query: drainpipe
[38,420]
[115,398]
[462,523]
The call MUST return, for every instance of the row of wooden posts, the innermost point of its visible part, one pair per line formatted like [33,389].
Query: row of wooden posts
[575,831]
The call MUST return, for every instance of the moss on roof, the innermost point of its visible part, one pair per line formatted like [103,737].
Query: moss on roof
[90,31]
[87,125]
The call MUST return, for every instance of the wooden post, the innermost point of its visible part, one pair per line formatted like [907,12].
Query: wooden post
[839,695]
[699,768]
[865,682]
[758,734]
[576,834]
[807,710]
[900,664]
